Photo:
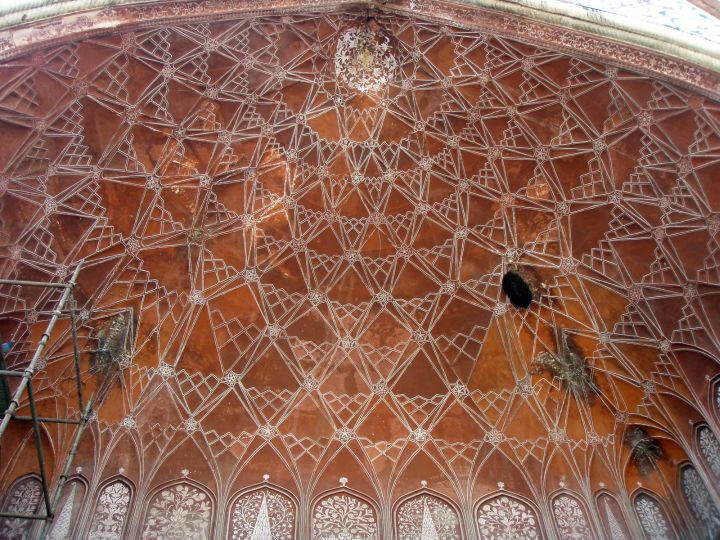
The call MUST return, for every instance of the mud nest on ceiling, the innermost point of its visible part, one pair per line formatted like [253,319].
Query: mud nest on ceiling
[114,341]
[645,450]
[522,285]
[569,365]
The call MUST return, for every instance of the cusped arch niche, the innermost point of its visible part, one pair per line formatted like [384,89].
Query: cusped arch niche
[709,448]
[571,517]
[612,517]
[714,397]
[68,510]
[426,514]
[23,497]
[652,517]
[109,517]
[264,511]
[504,515]
[344,513]
[179,510]
[701,504]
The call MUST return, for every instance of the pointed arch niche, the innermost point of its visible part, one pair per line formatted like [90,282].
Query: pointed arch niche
[709,448]
[109,517]
[179,510]
[265,512]
[68,510]
[425,514]
[23,497]
[505,515]
[653,518]
[344,513]
[612,518]
[701,503]
[571,517]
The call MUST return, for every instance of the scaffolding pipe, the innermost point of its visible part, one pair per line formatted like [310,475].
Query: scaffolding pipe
[30,370]
[4,387]
[68,462]
[39,450]
[16,515]
[76,354]
[46,419]
[37,283]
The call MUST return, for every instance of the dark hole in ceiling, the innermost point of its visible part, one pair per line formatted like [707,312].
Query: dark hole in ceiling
[517,290]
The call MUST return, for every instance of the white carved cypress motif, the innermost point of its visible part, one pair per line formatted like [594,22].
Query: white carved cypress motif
[62,523]
[263,514]
[616,530]
[427,518]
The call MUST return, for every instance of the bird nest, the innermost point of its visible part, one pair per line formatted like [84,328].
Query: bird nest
[645,450]
[569,365]
[113,353]
[113,342]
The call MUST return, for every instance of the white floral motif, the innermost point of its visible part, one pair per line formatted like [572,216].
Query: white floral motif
[419,435]
[570,519]
[427,518]
[504,518]
[380,388]
[264,514]
[710,449]
[110,512]
[316,297]
[364,60]
[344,517]
[652,518]
[178,512]
[23,498]
[459,390]
[701,503]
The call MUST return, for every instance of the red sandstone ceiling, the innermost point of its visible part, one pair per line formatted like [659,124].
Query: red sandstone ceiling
[307,219]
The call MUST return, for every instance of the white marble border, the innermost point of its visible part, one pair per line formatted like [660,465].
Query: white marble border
[667,57]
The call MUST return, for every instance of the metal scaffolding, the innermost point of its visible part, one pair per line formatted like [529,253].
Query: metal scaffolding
[13,402]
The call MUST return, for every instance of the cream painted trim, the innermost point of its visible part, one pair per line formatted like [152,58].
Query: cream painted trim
[655,37]
[652,36]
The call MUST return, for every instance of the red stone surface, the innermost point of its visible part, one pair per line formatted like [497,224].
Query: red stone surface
[314,276]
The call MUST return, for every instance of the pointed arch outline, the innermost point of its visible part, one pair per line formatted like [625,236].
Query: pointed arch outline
[512,496]
[430,493]
[643,492]
[345,490]
[76,525]
[686,508]
[17,481]
[629,518]
[584,506]
[714,397]
[233,500]
[24,524]
[92,500]
[157,490]
[702,459]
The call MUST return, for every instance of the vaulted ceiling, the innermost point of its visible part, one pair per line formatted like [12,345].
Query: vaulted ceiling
[305,219]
